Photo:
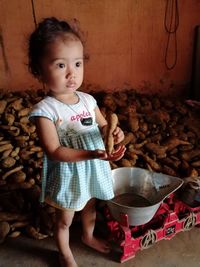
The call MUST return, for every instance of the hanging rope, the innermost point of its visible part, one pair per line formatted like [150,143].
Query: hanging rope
[33,12]
[171,23]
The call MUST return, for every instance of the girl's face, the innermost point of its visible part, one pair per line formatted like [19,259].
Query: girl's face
[62,65]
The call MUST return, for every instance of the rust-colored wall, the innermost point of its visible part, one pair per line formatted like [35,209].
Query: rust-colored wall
[125,39]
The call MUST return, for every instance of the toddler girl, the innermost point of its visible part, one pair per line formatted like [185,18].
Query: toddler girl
[76,168]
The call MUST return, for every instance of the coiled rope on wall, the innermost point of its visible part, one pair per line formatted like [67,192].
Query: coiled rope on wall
[171,24]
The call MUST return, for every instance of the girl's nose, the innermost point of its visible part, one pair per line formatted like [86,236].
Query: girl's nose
[70,74]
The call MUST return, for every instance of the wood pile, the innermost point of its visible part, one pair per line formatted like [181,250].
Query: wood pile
[20,172]
[161,135]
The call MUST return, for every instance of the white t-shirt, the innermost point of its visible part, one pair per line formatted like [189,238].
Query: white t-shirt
[72,118]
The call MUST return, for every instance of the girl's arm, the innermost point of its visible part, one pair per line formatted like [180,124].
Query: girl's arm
[50,143]
[101,121]
[118,133]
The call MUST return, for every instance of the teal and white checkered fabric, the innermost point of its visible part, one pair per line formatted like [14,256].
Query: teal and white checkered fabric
[72,184]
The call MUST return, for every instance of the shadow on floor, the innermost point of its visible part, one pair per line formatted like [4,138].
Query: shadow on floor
[29,251]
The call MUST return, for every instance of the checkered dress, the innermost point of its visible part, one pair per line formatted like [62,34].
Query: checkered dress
[71,184]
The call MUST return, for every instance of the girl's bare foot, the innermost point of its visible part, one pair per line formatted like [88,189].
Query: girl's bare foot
[67,261]
[98,244]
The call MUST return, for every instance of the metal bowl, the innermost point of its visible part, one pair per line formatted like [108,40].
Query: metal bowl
[139,193]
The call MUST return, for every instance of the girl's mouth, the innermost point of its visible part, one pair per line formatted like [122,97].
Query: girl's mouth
[71,84]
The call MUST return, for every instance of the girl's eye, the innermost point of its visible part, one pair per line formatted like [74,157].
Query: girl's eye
[61,65]
[78,64]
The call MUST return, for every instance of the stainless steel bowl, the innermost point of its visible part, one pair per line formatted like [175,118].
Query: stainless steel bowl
[139,193]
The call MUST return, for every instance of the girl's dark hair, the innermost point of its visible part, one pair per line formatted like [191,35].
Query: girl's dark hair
[46,31]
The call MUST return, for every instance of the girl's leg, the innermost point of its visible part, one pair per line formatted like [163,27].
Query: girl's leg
[88,217]
[63,222]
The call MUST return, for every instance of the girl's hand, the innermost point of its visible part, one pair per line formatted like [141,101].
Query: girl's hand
[118,135]
[99,154]
[116,155]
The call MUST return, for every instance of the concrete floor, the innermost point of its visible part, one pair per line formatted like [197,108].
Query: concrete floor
[183,250]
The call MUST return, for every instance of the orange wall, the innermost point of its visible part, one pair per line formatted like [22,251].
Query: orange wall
[125,39]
